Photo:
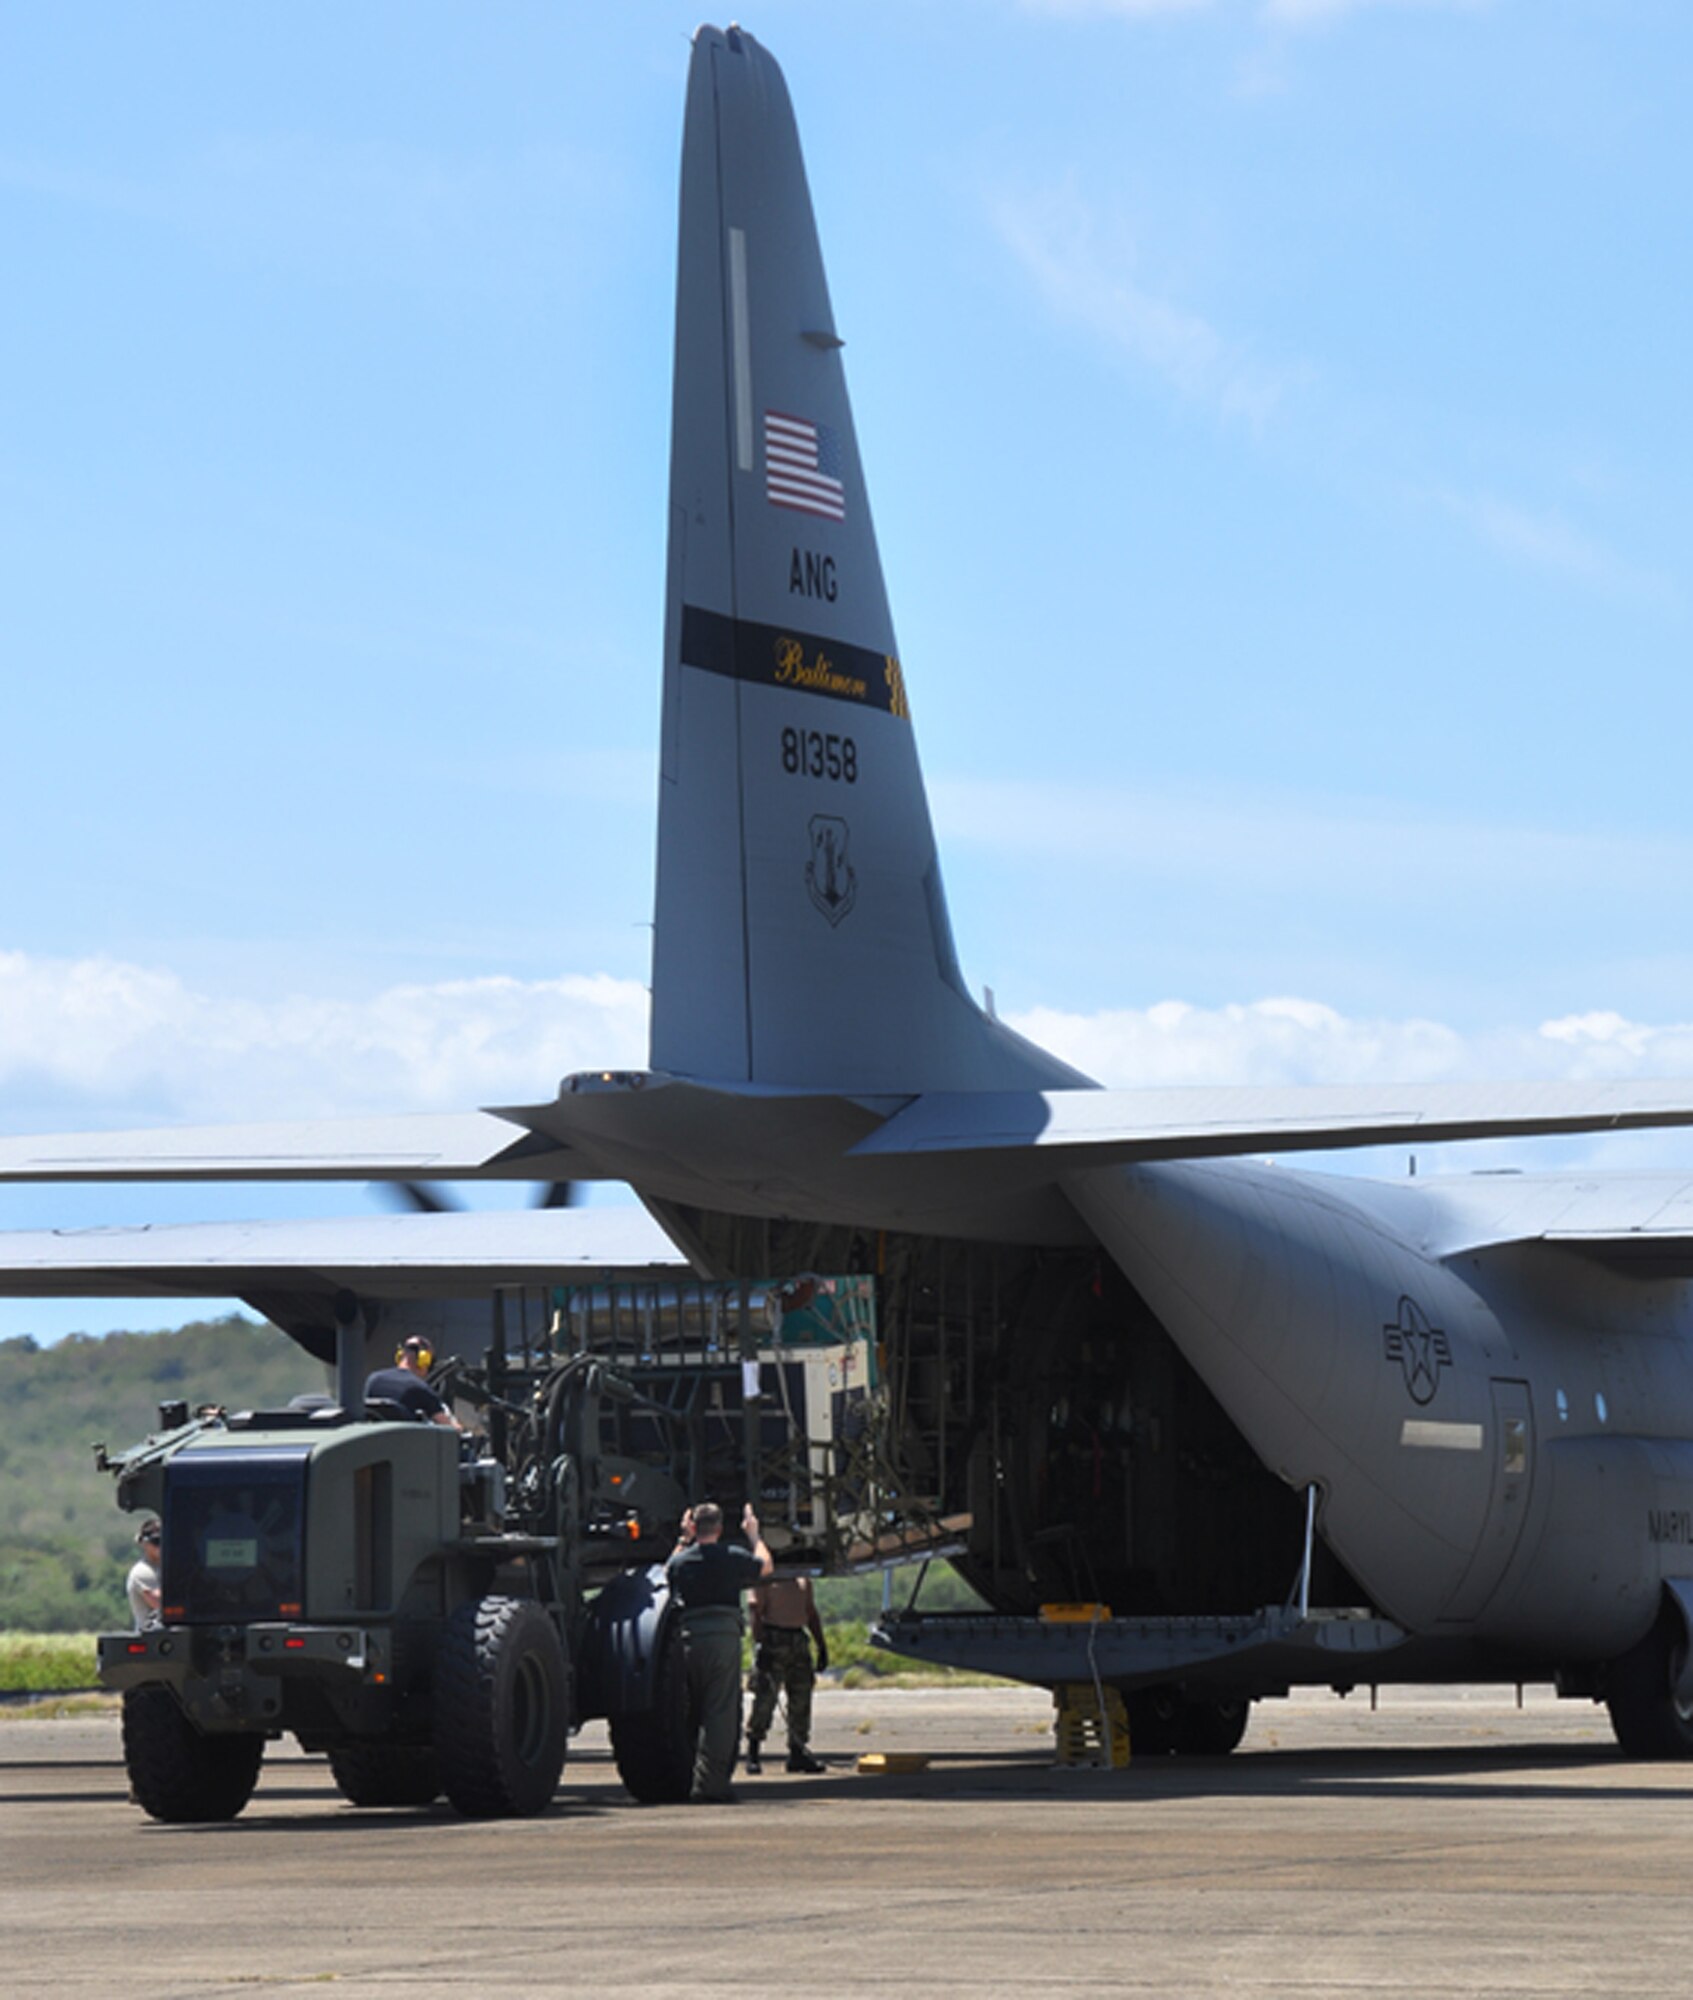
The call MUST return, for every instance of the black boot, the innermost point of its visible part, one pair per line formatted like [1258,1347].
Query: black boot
[755,1763]
[802,1760]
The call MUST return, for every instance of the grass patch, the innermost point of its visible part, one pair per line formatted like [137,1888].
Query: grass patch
[855,1663]
[915,1674]
[46,1662]
[59,1707]
[861,1665]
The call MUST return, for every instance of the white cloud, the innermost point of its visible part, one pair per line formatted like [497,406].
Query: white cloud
[96,1032]
[1603,1044]
[1295,1041]
[1275,1041]
[117,1040]
[1131,9]
[1289,1042]
[1282,13]
[1550,543]
[1316,13]
[1091,281]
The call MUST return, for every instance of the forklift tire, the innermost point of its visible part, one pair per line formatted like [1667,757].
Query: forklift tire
[654,1747]
[502,1708]
[177,1773]
[386,1774]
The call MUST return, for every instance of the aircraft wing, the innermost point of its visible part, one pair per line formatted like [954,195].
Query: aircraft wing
[1639,1225]
[647,1127]
[399,1256]
[1082,1128]
[1641,1253]
[416,1146]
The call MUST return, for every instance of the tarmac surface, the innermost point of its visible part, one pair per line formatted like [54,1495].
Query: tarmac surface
[1448,1844]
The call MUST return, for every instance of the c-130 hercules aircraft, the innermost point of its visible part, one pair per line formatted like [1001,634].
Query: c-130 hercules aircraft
[1290,1428]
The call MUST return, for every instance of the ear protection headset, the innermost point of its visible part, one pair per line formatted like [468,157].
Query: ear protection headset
[420,1350]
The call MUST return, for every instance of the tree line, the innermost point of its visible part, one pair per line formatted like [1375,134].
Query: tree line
[66,1548]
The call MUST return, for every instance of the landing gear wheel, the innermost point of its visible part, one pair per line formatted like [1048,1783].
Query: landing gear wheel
[1639,1692]
[1211,1728]
[386,1774]
[502,1708]
[178,1774]
[1155,1715]
[1165,1723]
[654,1748]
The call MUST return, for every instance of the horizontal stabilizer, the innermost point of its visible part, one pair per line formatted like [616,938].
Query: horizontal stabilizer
[416,1146]
[1082,1128]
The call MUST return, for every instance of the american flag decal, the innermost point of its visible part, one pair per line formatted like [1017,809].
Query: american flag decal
[803,466]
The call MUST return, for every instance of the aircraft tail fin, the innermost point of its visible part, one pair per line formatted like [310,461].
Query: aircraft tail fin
[801,931]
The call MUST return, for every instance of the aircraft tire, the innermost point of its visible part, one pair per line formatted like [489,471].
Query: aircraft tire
[654,1747]
[1154,1720]
[1211,1728]
[386,1774]
[1639,1692]
[502,1708]
[179,1774]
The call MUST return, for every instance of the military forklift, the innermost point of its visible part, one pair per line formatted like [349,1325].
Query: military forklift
[436,1611]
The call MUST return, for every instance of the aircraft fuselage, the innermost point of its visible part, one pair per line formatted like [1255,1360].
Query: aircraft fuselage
[1497,1436]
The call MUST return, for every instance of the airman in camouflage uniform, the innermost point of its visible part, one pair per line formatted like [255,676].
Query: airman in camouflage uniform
[785,1620]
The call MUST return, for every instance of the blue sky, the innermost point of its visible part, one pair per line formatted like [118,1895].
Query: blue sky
[1277,420]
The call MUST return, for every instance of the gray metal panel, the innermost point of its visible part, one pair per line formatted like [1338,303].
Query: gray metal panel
[1259,1651]
[699,1009]
[1280,1291]
[1096,1127]
[699,980]
[760,1152]
[446,1255]
[418,1146]
[1512,1457]
[801,936]
[1454,1214]
[1631,1222]
[1590,1583]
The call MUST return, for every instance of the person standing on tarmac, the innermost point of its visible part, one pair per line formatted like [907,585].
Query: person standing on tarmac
[142,1583]
[707,1576]
[785,1620]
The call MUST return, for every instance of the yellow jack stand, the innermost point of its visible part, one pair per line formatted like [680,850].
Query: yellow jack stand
[1085,1736]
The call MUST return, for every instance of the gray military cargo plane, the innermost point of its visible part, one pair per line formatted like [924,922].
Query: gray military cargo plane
[1290,1427]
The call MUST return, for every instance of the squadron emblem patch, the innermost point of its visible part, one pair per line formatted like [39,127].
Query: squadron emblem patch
[830,878]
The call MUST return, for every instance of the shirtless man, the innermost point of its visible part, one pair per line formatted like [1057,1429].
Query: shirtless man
[785,1620]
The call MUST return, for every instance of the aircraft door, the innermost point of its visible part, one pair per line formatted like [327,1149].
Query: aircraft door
[1511,1441]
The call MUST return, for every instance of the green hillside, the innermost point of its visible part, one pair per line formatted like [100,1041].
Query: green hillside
[66,1548]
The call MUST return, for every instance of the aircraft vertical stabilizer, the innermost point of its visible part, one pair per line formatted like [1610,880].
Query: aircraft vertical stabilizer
[801,935]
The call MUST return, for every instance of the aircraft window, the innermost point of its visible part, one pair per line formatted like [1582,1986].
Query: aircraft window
[1516,1445]
[1563,1407]
[1599,1409]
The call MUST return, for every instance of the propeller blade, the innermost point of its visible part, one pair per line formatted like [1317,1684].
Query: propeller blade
[417,1195]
